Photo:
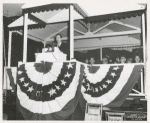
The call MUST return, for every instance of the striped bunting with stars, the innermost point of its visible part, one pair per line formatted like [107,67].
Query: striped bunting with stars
[45,90]
[109,84]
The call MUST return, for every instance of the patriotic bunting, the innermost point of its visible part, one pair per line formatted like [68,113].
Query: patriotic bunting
[52,91]
[108,82]
[47,88]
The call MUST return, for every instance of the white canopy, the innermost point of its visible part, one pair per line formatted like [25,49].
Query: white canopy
[56,21]
[55,16]
[54,5]
[39,16]
[96,7]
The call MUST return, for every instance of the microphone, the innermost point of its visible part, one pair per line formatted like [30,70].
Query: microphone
[50,47]
[54,44]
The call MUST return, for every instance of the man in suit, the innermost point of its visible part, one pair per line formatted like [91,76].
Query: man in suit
[61,45]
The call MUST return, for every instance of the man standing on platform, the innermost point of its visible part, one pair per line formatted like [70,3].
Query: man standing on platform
[62,46]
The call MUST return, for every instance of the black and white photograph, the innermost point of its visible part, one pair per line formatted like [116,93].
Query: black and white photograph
[75,60]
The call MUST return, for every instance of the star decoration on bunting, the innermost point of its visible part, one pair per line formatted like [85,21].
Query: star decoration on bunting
[57,87]
[88,85]
[100,88]
[26,84]
[63,82]
[96,90]
[113,74]
[83,81]
[88,88]
[30,89]
[20,72]
[21,79]
[68,75]
[70,65]
[93,89]
[104,86]
[109,81]
[116,68]
[52,92]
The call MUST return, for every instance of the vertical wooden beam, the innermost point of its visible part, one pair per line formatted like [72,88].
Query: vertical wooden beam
[5,79]
[101,54]
[143,37]
[71,32]
[9,50]
[142,89]
[25,38]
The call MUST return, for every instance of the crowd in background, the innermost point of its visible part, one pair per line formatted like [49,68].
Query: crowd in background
[118,60]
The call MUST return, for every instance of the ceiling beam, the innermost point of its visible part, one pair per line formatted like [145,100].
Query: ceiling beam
[103,35]
[58,31]
[117,22]
[83,24]
[127,25]
[99,29]
[30,36]
[79,31]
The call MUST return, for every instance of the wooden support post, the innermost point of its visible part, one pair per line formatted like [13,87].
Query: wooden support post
[144,86]
[25,38]
[9,50]
[101,54]
[71,33]
[143,37]
[142,89]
